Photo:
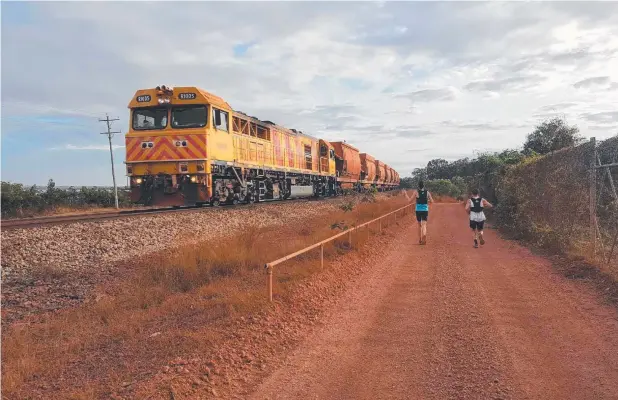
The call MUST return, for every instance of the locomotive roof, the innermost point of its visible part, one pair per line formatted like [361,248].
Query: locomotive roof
[267,123]
[148,97]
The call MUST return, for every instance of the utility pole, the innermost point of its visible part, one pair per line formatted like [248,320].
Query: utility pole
[110,135]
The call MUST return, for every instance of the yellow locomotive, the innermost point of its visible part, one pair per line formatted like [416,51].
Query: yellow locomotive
[186,146]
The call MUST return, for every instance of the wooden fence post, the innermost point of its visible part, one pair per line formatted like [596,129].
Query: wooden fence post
[322,256]
[269,269]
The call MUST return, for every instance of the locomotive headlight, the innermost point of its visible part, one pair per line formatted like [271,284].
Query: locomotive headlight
[138,180]
[161,101]
[193,179]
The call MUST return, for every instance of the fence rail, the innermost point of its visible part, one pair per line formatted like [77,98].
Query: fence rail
[270,266]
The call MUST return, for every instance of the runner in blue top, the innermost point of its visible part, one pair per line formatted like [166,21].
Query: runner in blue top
[422,197]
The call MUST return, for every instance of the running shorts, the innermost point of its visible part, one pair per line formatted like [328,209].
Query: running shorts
[478,225]
[422,215]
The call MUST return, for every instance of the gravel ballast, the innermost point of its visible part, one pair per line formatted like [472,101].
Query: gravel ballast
[83,246]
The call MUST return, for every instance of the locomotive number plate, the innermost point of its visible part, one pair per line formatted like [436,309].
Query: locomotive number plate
[186,96]
[143,99]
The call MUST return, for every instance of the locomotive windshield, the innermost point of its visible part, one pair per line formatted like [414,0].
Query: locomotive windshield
[149,118]
[189,117]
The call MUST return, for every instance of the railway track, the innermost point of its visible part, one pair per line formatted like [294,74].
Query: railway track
[65,219]
[25,223]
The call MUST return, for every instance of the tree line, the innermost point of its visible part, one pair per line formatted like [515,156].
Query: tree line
[457,178]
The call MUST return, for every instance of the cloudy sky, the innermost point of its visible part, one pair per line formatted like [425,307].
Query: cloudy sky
[404,81]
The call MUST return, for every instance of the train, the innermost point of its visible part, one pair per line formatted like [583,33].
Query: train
[188,147]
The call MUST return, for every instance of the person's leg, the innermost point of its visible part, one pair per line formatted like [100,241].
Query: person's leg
[420,231]
[422,215]
[480,230]
[423,231]
[473,226]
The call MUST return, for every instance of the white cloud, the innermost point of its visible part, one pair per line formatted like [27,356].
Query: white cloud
[429,95]
[87,147]
[595,82]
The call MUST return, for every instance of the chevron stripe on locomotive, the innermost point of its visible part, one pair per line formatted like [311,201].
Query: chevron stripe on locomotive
[186,146]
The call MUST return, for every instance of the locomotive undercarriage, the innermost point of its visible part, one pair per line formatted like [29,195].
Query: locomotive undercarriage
[233,185]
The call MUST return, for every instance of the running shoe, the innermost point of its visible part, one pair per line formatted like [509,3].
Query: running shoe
[482,240]
[476,244]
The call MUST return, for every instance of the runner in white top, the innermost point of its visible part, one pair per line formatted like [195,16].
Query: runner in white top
[474,207]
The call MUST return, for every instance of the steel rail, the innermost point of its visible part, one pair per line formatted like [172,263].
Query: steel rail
[65,219]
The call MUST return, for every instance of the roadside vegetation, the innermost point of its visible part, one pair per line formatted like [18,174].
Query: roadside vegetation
[19,201]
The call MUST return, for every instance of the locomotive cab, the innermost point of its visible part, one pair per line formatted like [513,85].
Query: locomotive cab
[167,145]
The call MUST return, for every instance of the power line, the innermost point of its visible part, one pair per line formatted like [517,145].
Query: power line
[110,135]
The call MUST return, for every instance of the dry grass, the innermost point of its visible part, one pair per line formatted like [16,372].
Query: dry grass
[85,351]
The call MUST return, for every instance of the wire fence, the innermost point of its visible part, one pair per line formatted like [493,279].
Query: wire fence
[565,200]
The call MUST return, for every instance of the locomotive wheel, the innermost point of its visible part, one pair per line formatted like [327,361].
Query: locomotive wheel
[215,202]
[235,201]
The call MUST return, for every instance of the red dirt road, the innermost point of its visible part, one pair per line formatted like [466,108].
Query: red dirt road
[446,321]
